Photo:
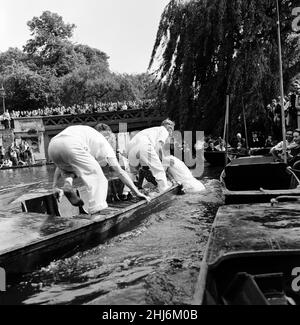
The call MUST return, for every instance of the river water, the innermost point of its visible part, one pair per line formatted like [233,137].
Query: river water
[156,263]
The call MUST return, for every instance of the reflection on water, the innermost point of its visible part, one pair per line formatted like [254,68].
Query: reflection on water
[18,177]
[156,263]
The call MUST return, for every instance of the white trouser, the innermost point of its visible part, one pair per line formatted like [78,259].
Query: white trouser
[143,153]
[70,156]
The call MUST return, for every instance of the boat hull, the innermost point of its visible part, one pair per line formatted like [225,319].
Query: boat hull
[87,234]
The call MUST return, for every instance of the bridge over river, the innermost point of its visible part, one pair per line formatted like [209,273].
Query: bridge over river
[38,131]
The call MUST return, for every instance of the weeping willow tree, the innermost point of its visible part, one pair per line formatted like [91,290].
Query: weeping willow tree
[207,49]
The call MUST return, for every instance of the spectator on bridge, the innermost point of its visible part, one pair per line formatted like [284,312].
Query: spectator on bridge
[87,108]
[6,163]
[77,152]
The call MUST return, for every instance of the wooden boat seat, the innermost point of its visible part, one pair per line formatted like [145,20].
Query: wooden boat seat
[244,291]
[264,289]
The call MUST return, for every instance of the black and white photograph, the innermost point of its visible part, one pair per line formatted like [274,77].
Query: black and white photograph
[150,155]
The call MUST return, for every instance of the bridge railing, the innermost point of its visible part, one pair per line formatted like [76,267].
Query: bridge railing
[56,122]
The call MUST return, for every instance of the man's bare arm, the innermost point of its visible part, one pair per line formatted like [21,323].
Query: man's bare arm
[124,177]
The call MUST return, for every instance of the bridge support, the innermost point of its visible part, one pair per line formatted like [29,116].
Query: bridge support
[32,130]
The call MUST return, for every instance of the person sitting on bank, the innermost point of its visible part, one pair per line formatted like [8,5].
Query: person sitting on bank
[7,163]
[276,151]
[241,149]
[221,146]
[239,142]
[211,146]
[13,156]
[79,151]
[269,143]
[6,120]
[256,142]
[2,153]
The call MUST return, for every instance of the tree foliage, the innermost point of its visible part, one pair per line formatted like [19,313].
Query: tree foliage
[218,47]
[52,70]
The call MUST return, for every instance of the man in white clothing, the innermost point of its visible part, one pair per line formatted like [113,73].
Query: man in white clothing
[146,149]
[277,150]
[78,151]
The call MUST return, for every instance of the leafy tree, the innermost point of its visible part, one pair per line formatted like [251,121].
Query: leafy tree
[27,89]
[51,71]
[92,56]
[11,58]
[87,84]
[213,48]
[47,30]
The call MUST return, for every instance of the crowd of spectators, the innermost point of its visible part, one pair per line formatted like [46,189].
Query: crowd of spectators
[258,145]
[19,153]
[239,144]
[274,114]
[76,109]
[257,139]
[6,119]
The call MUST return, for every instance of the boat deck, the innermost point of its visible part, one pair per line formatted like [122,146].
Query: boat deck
[17,228]
[240,229]
[253,160]
[48,230]
[251,256]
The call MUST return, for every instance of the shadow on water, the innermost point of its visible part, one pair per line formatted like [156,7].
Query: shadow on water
[156,263]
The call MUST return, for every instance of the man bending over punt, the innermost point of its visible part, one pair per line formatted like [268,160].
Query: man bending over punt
[78,151]
[146,149]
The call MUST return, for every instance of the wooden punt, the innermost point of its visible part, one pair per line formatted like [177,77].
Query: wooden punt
[47,230]
[252,257]
[258,179]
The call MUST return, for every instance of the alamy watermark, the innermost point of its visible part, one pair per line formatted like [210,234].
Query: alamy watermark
[187,146]
[2,280]
[296,280]
[296,21]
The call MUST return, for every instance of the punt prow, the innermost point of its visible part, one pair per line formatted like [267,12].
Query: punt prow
[252,256]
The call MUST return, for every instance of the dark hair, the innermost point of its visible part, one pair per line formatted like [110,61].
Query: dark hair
[102,127]
[168,122]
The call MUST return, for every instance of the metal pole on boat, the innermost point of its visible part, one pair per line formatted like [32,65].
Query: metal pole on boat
[245,125]
[227,127]
[281,84]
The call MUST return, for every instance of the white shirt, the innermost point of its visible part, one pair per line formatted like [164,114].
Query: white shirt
[155,135]
[92,141]
[279,146]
